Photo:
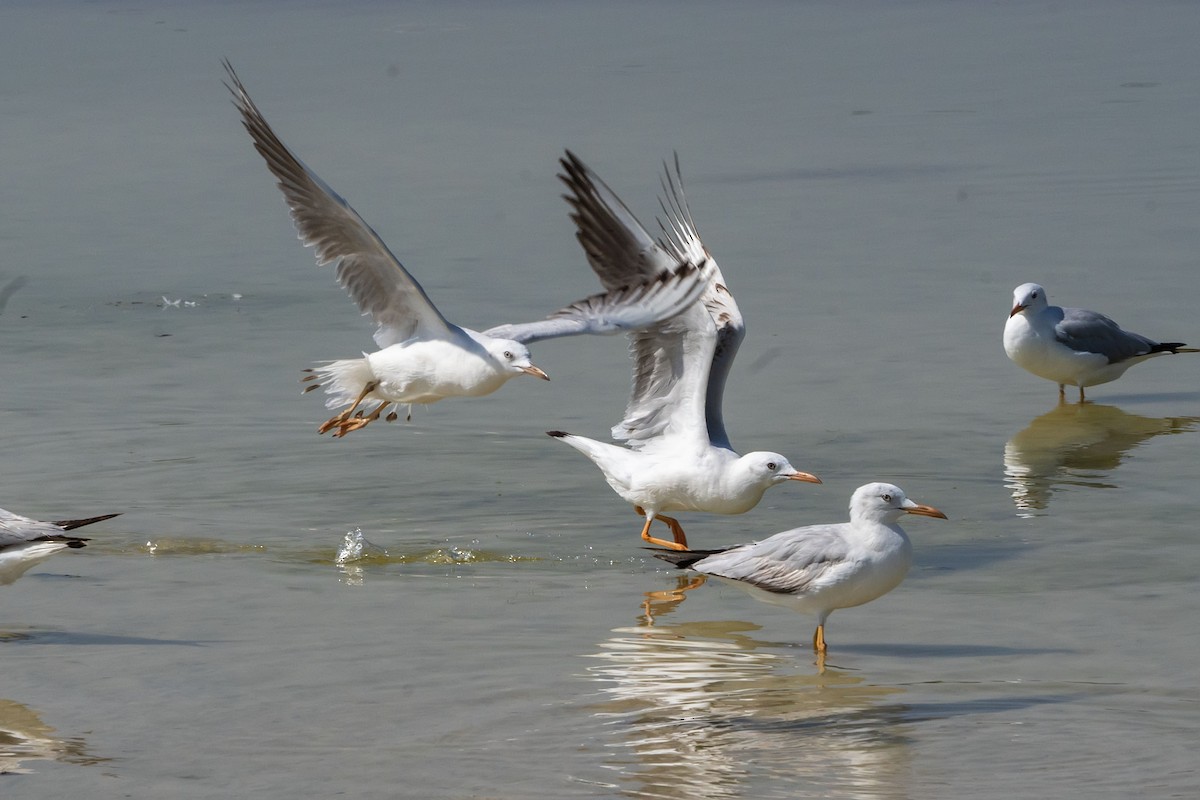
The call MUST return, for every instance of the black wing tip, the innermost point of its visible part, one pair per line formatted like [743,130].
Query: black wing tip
[1169,347]
[75,544]
[72,524]
[680,558]
[557,434]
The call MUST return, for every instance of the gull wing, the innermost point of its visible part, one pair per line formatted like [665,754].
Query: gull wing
[18,530]
[792,562]
[618,248]
[366,269]
[624,309]
[1092,332]
[671,359]
[681,240]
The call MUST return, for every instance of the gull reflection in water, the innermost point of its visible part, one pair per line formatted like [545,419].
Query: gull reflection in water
[705,710]
[24,737]
[1076,445]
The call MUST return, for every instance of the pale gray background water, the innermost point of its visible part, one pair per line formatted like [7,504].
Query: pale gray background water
[874,178]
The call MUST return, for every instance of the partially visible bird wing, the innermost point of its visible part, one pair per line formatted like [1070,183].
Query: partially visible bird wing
[681,239]
[366,269]
[624,309]
[618,248]
[16,530]
[1091,332]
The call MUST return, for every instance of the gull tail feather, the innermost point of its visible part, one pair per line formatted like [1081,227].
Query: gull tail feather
[342,380]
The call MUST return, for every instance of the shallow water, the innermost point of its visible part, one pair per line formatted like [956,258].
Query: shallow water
[873,179]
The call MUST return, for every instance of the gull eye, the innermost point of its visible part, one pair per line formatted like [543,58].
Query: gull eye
[508,354]
[887,498]
[771,465]
[1033,296]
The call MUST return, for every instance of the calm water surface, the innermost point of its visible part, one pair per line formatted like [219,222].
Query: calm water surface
[874,180]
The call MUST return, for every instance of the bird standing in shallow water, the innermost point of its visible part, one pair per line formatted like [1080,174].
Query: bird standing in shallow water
[1073,345]
[820,568]
[24,542]
[423,357]
[678,456]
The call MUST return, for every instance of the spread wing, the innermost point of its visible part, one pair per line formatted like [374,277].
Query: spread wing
[680,365]
[680,238]
[366,269]
[1091,332]
[792,562]
[624,309]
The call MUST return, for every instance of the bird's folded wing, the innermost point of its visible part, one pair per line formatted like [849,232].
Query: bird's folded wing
[16,529]
[788,563]
[1091,332]
[372,276]
[624,309]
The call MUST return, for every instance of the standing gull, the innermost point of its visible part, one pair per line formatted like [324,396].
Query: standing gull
[1073,345]
[423,357]
[820,568]
[25,542]
[677,455]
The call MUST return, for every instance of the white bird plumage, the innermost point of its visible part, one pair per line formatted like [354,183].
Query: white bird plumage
[25,542]
[1073,346]
[423,357]
[677,455]
[820,568]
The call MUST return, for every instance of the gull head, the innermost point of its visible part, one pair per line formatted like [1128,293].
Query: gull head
[1028,297]
[767,469]
[513,358]
[886,503]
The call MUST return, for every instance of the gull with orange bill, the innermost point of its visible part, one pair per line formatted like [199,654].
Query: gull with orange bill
[677,455]
[423,357]
[818,569]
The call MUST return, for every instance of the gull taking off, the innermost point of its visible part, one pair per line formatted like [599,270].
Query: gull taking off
[423,357]
[1073,345]
[820,568]
[677,455]
[25,542]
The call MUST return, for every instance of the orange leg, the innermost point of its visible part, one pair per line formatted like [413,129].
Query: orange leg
[339,419]
[360,421]
[680,542]
[819,639]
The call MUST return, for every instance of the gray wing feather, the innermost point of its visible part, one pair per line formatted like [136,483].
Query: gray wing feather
[625,309]
[18,530]
[1091,332]
[672,359]
[787,563]
[681,239]
[617,246]
[366,269]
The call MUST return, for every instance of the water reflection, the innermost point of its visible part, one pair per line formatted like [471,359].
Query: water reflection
[24,737]
[1076,445]
[702,709]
